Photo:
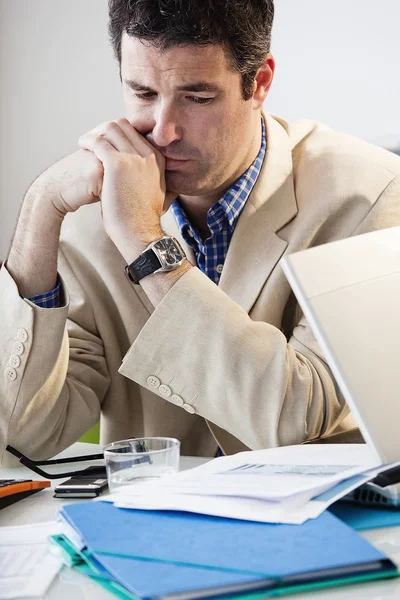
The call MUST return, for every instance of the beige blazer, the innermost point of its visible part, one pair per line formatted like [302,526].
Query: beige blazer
[234,364]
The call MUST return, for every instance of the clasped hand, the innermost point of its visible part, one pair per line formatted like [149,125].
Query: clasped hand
[133,195]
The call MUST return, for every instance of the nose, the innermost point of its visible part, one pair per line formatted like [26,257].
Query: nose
[167,128]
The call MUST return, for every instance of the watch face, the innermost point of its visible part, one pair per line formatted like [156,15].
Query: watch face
[169,252]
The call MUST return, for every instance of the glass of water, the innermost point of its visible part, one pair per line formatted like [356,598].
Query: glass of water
[140,459]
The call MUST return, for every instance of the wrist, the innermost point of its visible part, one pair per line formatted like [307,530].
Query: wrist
[159,284]
[32,261]
[39,202]
[132,248]
[162,255]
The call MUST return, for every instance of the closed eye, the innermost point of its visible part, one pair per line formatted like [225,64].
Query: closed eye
[200,99]
[195,99]
[145,95]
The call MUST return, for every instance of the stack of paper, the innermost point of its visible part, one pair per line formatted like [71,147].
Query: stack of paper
[278,485]
[27,568]
[169,555]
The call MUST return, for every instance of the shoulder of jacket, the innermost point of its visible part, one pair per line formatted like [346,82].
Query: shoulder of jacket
[310,140]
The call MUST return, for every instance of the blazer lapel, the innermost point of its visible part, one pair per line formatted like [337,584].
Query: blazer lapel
[255,248]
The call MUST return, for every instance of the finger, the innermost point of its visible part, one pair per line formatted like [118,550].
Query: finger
[138,141]
[119,144]
[103,150]
[112,133]
[143,147]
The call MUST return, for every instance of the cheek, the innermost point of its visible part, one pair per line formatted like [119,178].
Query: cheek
[210,130]
[218,134]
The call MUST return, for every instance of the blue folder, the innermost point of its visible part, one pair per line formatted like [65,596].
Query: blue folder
[361,517]
[163,554]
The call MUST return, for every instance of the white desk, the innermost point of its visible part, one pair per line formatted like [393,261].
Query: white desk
[69,584]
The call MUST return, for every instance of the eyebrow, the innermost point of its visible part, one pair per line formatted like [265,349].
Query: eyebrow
[199,86]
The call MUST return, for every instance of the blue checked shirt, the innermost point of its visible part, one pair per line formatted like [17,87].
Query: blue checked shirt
[221,220]
[49,299]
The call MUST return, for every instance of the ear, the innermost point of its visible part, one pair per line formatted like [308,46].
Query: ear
[263,81]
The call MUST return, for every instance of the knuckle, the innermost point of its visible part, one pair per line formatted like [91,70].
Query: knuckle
[122,122]
[111,126]
[97,138]
[82,140]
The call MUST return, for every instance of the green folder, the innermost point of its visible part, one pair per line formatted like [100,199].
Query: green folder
[180,556]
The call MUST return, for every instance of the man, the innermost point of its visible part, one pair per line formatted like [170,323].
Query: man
[212,348]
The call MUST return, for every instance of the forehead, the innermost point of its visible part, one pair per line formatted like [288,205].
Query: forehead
[183,63]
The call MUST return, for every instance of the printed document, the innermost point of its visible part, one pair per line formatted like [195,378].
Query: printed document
[27,568]
[280,485]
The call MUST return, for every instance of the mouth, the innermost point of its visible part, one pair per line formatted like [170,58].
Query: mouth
[174,163]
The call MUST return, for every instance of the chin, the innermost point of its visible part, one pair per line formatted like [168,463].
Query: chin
[184,184]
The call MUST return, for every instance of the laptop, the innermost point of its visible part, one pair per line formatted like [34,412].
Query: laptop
[349,291]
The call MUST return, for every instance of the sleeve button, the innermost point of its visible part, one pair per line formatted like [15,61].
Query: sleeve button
[19,348]
[153,381]
[15,361]
[175,399]
[165,390]
[10,374]
[189,408]
[22,335]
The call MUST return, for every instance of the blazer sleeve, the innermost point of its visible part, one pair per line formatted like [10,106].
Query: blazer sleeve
[52,380]
[242,375]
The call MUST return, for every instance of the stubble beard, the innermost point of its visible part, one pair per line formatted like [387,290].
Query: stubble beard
[187,184]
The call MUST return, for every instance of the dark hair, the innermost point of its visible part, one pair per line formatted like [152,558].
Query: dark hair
[243,27]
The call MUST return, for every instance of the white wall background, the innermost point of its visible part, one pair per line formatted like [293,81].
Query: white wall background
[337,62]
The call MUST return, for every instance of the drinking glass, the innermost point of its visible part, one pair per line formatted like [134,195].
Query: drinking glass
[140,459]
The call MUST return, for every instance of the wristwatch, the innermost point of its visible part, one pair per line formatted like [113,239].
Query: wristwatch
[165,254]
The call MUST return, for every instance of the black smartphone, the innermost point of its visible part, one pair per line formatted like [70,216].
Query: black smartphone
[84,485]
